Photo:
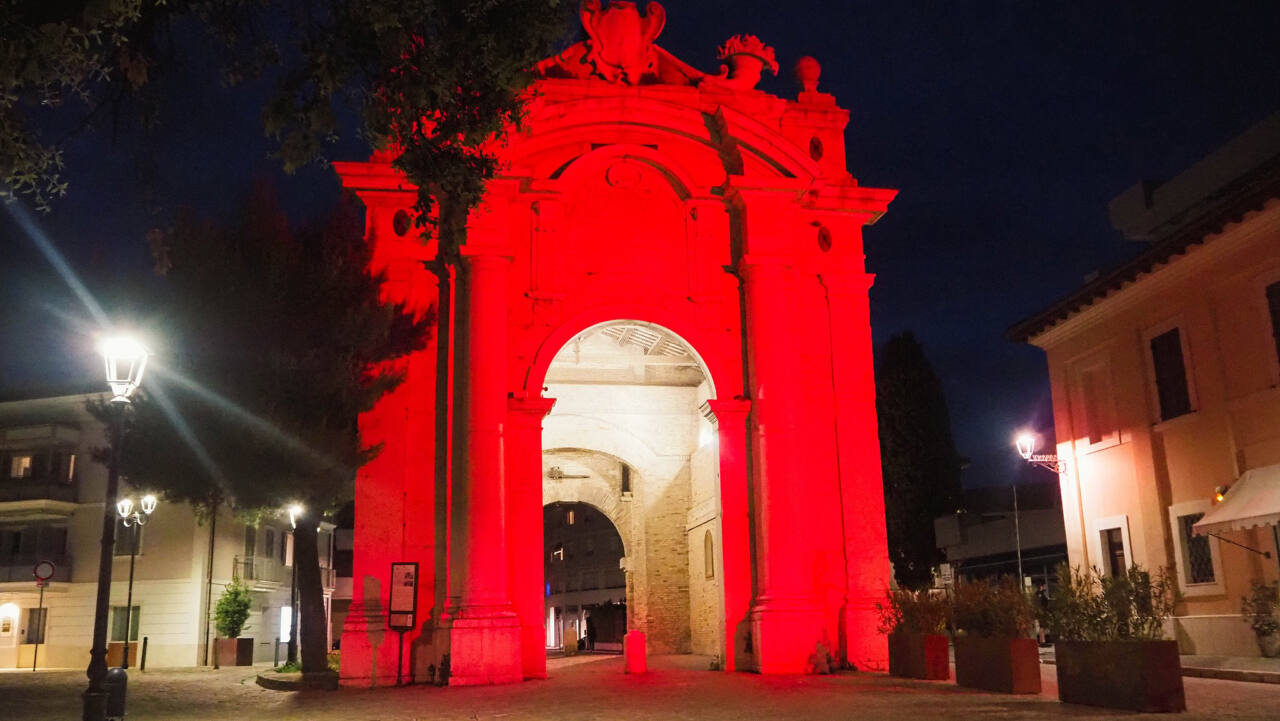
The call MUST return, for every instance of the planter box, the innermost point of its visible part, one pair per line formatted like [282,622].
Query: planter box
[1134,675]
[235,652]
[919,655]
[1004,665]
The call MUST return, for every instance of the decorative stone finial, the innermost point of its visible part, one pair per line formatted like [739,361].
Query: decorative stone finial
[806,72]
[620,45]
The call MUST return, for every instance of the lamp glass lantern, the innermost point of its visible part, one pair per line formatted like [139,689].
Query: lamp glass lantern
[1026,443]
[126,361]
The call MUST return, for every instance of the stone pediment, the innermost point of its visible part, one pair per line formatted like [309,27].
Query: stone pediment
[620,49]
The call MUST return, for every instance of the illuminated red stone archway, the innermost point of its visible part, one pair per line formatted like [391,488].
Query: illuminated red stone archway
[639,187]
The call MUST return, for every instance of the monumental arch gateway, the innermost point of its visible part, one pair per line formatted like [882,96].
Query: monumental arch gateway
[659,310]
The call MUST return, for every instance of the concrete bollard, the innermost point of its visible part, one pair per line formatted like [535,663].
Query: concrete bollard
[633,652]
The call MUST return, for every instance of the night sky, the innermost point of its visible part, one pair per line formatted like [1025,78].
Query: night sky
[1006,126]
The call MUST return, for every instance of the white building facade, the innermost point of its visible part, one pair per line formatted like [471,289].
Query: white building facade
[51,509]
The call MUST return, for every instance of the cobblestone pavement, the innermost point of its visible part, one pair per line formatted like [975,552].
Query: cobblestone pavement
[677,688]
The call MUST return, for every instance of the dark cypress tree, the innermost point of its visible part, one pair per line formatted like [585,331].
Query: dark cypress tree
[918,454]
[273,343]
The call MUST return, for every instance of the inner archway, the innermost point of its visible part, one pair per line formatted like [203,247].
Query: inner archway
[585,584]
[631,435]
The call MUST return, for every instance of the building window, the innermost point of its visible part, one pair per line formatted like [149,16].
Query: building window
[20,466]
[708,555]
[1273,308]
[1195,550]
[126,538]
[250,541]
[1170,369]
[568,517]
[1113,548]
[118,620]
[626,478]
[1109,549]
[284,544]
[270,541]
[1195,557]
[37,620]
[71,467]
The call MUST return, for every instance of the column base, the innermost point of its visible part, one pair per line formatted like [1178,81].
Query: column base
[369,651]
[866,648]
[484,650]
[785,636]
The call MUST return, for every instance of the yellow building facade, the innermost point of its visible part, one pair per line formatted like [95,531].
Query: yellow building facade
[1165,378]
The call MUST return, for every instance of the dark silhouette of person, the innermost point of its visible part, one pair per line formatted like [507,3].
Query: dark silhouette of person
[591,634]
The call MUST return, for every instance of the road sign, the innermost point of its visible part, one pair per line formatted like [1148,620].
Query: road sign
[43,571]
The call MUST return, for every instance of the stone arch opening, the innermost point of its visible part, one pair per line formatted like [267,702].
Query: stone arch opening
[631,435]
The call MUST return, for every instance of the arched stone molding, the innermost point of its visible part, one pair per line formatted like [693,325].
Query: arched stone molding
[668,313]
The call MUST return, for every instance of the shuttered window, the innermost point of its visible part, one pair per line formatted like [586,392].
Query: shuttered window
[1171,375]
[1273,305]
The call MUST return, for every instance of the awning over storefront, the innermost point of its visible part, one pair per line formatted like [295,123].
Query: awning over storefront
[1254,500]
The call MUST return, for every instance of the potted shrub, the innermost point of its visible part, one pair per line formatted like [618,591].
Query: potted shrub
[1259,611]
[1111,650]
[915,622]
[230,615]
[994,648]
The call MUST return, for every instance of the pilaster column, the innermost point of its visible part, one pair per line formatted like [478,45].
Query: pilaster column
[785,618]
[730,420]
[524,521]
[484,639]
[861,483]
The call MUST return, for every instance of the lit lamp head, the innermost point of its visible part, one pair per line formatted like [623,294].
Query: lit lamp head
[1026,443]
[295,511]
[124,507]
[126,359]
[1220,494]
[148,504]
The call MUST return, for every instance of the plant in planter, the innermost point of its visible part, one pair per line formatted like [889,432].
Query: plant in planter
[1111,650]
[994,650]
[230,615]
[915,622]
[1259,611]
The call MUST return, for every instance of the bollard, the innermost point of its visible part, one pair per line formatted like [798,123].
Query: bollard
[633,652]
[275,661]
[117,685]
[142,665]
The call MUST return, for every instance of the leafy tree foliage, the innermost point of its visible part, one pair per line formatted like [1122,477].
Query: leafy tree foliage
[918,454]
[434,82]
[275,342]
[232,609]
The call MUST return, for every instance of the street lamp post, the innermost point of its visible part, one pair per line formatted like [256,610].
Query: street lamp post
[126,360]
[135,520]
[1027,442]
[295,510]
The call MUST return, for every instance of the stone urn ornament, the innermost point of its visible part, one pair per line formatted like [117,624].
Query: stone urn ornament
[746,59]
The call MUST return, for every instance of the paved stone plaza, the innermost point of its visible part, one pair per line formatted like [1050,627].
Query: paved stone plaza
[595,688]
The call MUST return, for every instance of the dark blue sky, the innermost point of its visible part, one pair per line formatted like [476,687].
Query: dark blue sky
[1007,126]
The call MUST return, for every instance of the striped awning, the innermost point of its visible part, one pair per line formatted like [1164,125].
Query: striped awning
[1254,500]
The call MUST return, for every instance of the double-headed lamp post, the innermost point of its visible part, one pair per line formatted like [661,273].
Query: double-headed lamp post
[126,359]
[1027,442]
[134,519]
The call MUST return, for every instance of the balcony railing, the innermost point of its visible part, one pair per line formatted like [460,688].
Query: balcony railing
[27,489]
[18,567]
[258,570]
